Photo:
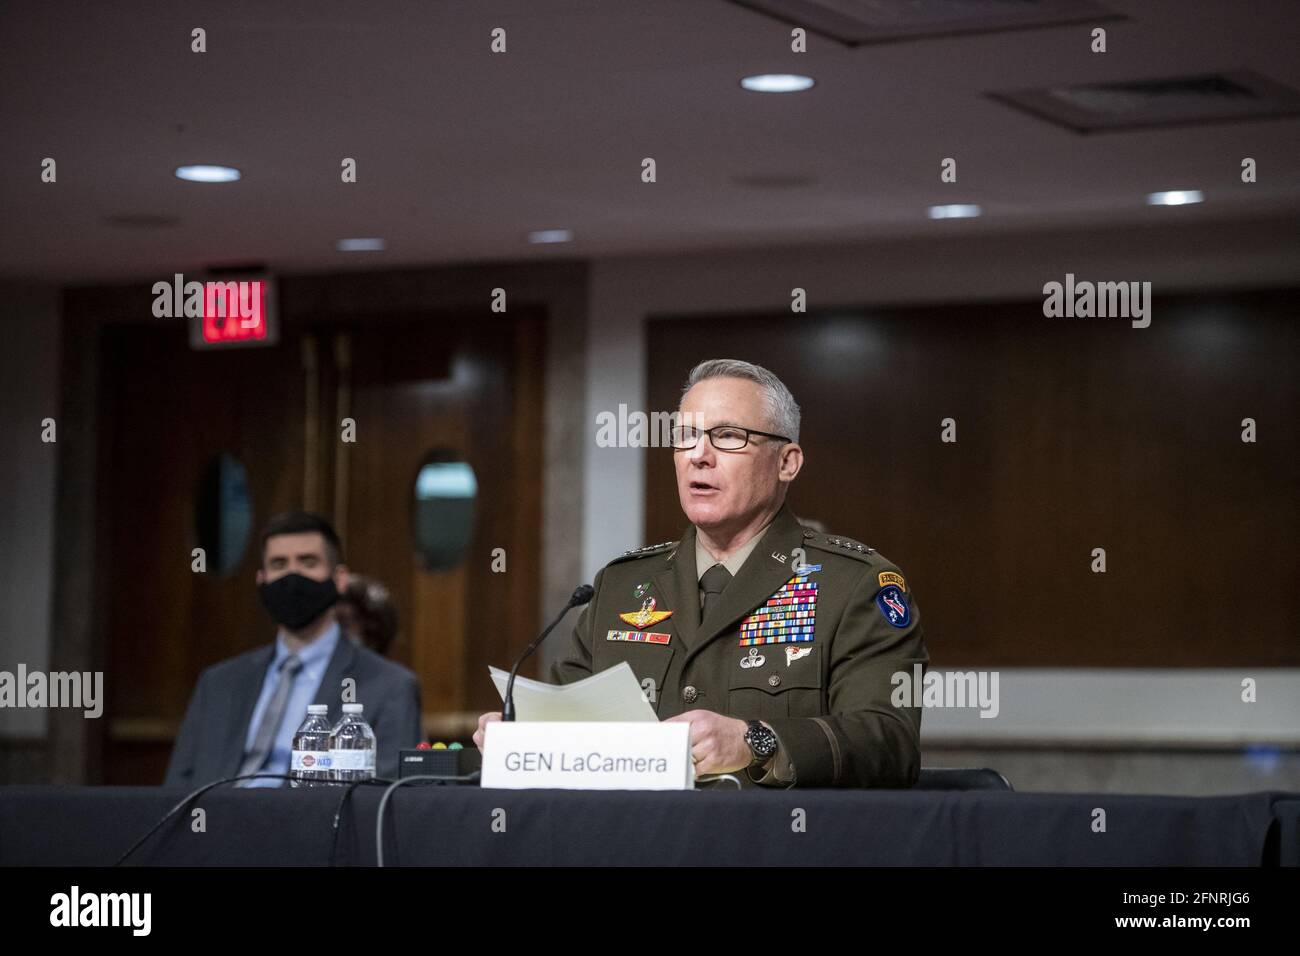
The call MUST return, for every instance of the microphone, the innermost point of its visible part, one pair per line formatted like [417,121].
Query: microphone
[581,595]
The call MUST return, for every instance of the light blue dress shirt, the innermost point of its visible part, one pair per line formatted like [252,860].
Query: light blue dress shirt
[315,658]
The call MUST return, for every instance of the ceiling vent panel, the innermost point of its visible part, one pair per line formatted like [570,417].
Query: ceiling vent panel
[859,22]
[1174,101]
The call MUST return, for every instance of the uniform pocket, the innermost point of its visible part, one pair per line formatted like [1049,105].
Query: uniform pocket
[781,687]
[649,662]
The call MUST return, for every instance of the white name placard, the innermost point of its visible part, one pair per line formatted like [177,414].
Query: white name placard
[587,756]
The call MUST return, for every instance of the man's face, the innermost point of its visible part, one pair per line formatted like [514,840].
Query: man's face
[727,489]
[305,553]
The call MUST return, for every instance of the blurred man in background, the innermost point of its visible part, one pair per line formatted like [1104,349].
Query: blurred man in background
[245,710]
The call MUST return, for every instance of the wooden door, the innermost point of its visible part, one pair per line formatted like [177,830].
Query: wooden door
[166,413]
[452,388]
[410,385]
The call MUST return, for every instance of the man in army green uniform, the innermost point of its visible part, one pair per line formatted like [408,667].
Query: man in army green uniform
[776,643]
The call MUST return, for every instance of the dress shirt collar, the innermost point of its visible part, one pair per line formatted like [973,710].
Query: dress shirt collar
[318,651]
[704,560]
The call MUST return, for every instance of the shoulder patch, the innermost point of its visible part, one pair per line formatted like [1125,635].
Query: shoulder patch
[886,578]
[893,606]
[644,552]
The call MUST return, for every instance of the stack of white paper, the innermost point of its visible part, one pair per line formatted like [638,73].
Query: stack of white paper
[611,695]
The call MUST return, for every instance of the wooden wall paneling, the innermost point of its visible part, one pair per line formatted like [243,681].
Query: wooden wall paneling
[1072,435]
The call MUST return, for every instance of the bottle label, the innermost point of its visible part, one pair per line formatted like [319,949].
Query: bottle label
[310,760]
[352,760]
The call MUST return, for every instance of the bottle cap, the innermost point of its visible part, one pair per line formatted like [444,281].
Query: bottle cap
[352,708]
[318,708]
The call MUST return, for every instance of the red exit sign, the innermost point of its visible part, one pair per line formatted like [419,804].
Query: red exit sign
[235,311]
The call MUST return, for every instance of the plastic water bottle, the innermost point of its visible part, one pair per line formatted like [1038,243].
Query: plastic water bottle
[352,747]
[310,764]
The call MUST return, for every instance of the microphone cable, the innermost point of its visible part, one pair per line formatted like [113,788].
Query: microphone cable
[419,778]
[195,794]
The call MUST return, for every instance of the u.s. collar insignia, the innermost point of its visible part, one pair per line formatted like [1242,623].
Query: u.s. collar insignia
[645,617]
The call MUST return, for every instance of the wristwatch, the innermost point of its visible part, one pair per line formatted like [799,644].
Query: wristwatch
[762,742]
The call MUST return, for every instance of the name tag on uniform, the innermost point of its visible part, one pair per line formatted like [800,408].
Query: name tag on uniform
[644,637]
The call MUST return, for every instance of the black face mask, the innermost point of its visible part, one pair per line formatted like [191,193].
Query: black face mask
[295,600]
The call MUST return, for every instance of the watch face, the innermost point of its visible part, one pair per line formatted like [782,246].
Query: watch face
[761,740]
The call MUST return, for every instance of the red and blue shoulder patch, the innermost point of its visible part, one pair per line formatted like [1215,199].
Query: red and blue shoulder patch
[893,605]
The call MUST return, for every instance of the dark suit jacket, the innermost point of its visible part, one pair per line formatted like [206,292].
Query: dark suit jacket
[210,744]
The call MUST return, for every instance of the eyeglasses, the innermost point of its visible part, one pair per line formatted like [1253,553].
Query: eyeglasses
[723,437]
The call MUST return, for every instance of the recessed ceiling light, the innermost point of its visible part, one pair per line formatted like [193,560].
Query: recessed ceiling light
[1175,197]
[551,235]
[360,245]
[208,174]
[958,210]
[777,82]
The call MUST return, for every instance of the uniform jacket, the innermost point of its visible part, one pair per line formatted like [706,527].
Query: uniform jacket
[827,697]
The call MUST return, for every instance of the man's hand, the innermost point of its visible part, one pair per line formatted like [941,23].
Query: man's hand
[717,742]
[482,724]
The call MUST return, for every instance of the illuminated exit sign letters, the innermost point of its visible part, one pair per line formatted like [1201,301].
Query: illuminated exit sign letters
[225,312]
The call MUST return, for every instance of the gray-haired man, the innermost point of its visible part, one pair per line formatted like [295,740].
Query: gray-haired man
[777,643]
